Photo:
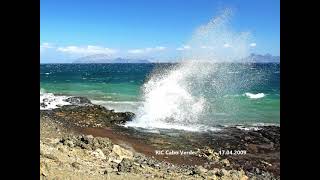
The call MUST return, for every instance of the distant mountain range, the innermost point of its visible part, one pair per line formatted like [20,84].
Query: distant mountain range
[267,58]
[103,58]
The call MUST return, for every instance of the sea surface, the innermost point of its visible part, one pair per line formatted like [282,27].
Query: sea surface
[250,95]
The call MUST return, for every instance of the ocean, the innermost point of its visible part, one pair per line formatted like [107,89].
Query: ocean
[230,94]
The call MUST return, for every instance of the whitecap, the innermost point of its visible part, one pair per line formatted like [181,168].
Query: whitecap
[248,128]
[254,96]
[265,124]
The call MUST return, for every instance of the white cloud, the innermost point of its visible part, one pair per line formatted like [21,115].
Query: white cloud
[146,50]
[136,51]
[184,47]
[253,45]
[206,47]
[45,46]
[226,45]
[160,48]
[88,50]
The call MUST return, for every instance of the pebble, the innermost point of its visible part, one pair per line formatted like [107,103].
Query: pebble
[75,165]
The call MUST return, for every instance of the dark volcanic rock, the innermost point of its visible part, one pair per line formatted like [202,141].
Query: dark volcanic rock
[88,143]
[125,165]
[88,115]
[121,117]
[43,105]
[78,100]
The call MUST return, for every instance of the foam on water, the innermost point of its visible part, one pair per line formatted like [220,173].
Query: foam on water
[252,128]
[119,106]
[49,101]
[174,98]
[254,96]
[164,125]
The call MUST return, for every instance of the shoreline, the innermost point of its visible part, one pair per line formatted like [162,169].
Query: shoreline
[245,126]
[262,146]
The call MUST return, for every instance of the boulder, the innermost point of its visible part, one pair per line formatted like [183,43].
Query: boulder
[209,153]
[118,154]
[121,117]
[76,165]
[78,100]
[200,170]
[99,154]
[125,165]
[225,162]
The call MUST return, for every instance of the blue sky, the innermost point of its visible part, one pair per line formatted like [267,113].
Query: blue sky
[146,28]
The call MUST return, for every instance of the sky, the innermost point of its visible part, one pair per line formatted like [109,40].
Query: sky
[154,29]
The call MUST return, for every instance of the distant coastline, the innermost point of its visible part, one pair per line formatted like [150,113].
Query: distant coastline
[105,59]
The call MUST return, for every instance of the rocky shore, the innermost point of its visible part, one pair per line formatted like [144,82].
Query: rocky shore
[84,141]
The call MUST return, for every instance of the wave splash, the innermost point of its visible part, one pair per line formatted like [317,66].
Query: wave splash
[174,98]
[168,100]
[49,101]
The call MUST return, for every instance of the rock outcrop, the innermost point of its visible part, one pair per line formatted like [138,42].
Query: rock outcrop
[87,157]
[87,115]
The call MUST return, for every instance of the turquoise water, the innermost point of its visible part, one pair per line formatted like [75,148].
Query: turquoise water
[119,86]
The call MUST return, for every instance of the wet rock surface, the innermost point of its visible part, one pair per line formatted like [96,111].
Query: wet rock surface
[88,115]
[78,100]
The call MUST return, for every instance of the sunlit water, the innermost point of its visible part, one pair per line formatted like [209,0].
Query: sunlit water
[120,87]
